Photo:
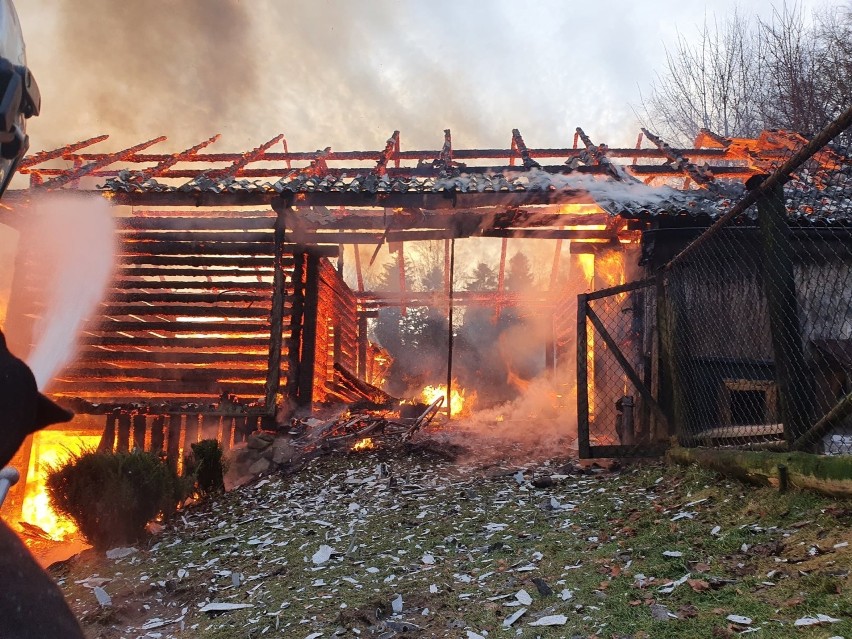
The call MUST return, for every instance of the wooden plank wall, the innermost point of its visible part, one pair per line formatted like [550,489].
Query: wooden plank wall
[337,329]
[187,316]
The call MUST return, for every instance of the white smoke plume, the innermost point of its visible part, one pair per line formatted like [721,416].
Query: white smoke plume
[72,239]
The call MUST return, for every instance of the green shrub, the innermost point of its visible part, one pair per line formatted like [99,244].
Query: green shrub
[206,467]
[112,496]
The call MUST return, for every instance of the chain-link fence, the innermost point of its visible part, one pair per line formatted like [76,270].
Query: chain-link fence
[744,338]
[755,317]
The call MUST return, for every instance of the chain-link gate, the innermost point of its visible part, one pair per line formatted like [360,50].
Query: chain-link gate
[617,413]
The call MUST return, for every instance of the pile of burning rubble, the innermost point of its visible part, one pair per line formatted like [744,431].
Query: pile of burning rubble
[351,430]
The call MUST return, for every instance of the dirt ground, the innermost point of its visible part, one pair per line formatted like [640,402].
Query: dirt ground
[413,544]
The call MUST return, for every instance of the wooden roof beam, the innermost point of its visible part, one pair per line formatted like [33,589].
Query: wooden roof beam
[183,156]
[519,149]
[391,152]
[71,176]
[701,175]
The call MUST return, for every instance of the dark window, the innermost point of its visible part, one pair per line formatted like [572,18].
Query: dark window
[748,407]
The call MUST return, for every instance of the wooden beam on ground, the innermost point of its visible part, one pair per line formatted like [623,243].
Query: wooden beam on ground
[825,474]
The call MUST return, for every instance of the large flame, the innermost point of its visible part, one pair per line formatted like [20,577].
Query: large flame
[50,449]
[461,402]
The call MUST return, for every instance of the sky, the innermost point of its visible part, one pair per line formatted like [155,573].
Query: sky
[346,74]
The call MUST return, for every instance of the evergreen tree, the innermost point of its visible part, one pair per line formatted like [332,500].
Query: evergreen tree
[484,278]
[519,275]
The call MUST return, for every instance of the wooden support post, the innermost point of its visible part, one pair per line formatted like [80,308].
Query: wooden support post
[227,431]
[276,319]
[191,436]
[582,378]
[309,333]
[358,272]
[107,443]
[447,268]
[363,343]
[450,308]
[157,434]
[795,390]
[123,441]
[549,344]
[140,423]
[210,427]
[400,262]
[294,348]
[501,279]
[174,440]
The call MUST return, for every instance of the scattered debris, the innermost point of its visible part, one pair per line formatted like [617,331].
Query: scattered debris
[101,595]
[511,619]
[120,553]
[550,620]
[220,606]
[815,621]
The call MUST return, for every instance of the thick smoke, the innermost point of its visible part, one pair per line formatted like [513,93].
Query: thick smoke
[323,73]
[138,69]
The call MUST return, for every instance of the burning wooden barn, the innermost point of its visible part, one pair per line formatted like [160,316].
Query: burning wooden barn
[241,289]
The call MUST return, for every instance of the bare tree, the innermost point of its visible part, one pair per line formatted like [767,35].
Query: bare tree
[708,83]
[743,75]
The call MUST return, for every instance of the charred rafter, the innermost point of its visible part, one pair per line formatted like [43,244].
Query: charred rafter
[519,149]
[596,154]
[445,159]
[391,152]
[169,162]
[701,175]
[45,156]
[87,169]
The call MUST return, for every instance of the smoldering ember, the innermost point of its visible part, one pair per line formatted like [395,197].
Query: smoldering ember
[426,392]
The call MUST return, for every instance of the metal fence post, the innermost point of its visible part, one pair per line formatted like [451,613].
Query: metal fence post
[582,378]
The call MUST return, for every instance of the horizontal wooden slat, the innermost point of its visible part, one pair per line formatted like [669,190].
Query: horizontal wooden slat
[109,326]
[200,261]
[164,372]
[183,342]
[255,311]
[126,284]
[194,387]
[134,270]
[170,357]
[202,223]
[195,248]
[188,298]
[134,237]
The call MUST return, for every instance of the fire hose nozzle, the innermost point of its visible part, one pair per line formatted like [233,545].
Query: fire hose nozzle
[8,477]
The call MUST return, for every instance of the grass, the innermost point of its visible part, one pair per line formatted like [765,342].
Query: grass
[773,558]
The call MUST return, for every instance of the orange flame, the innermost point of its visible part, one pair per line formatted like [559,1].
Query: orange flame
[50,449]
[364,444]
[461,401]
